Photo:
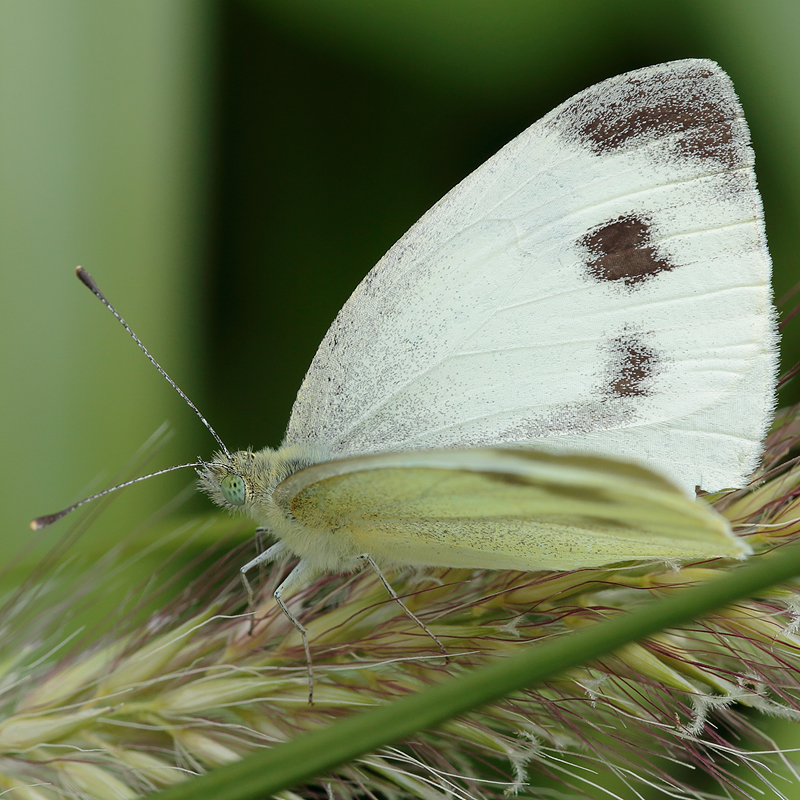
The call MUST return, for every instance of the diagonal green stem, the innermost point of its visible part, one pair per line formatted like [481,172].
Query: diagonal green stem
[262,774]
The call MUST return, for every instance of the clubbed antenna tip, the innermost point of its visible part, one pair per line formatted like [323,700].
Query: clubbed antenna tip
[87,280]
[48,519]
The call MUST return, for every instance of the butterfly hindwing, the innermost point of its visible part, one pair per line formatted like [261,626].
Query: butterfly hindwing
[501,509]
[599,285]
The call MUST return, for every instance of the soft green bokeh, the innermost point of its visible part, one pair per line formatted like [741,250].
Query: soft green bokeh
[103,151]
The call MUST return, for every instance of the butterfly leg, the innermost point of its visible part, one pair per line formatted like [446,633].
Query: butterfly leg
[393,594]
[264,557]
[301,575]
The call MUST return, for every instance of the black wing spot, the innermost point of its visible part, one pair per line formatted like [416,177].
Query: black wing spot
[621,251]
[631,367]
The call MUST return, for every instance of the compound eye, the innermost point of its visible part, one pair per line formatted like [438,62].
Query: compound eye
[234,489]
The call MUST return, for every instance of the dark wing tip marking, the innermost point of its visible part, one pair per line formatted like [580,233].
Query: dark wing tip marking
[690,98]
[621,251]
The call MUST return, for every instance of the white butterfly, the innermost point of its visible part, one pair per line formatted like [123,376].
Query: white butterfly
[600,286]
[599,289]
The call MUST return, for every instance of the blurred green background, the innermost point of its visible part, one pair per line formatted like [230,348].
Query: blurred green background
[229,171]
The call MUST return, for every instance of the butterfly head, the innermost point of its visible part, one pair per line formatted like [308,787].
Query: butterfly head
[245,480]
[230,479]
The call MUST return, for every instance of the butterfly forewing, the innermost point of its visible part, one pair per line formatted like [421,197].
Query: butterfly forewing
[495,508]
[600,285]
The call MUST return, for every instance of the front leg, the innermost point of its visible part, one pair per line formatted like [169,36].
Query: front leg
[270,554]
[299,577]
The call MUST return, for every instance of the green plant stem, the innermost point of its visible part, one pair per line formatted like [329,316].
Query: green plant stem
[262,774]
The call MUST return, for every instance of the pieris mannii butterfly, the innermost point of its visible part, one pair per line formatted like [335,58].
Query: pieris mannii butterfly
[600,286]
[599,289]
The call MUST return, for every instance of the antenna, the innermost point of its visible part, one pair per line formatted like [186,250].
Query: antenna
[48,519]
[89,282]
